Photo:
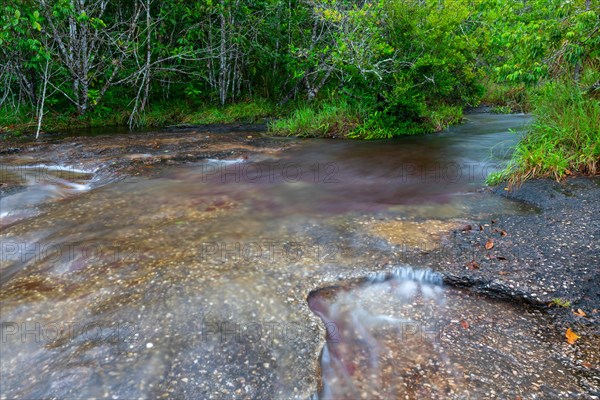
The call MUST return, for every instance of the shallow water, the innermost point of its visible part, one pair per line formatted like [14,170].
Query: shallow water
[192,283]
[408,337]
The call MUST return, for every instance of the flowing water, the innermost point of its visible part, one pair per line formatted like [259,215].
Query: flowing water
[405,336]
[192,283]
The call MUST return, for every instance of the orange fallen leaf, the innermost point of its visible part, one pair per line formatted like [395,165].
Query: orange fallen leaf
[580,313]
[503,233]
[464,324]
[587,364]
[472,265]
[489,244]
[571,336]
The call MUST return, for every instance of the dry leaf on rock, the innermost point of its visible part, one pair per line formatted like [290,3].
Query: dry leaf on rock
[472,265]
[571,336]
[580,313]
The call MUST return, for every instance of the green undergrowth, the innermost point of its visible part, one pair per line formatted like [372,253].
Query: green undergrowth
[342,119]
[17,122]
[328,119]
[563,140]
[331,119]
[505,98]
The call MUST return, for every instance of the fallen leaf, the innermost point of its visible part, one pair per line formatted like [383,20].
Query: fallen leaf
[502,232]
[502,273]
[466,228]
[489,244]
[580,313]
[587,364]
[472,265]
[501,258]
[493,221]
[480,227]
[464,324]
[571,336]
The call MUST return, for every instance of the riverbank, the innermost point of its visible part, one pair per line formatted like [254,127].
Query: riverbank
[17,123]
[339,118]
[530,278]
[548,259]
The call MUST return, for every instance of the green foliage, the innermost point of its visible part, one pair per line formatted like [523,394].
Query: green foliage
[157,115]
[534,40]
[339,119]
[336,119]
[331,68]
[560,302]
[563,140]
[506,97]
[248,112]
[501,110]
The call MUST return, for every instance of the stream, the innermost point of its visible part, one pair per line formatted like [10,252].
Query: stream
[282,274]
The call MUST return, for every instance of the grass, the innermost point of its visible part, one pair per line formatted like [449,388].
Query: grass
[560,302]
[563,140]
[506,98]
[17,122]
[331,119]
[501,110]
[335,118]
[342,119]
[247,111]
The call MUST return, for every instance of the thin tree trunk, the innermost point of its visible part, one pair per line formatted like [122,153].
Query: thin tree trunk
[223,59]
[42,100]
[148,55]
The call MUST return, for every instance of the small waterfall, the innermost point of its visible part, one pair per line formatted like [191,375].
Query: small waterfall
[387,327]
[39,184]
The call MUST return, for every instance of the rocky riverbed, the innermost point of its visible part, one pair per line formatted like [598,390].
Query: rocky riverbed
[177,275]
